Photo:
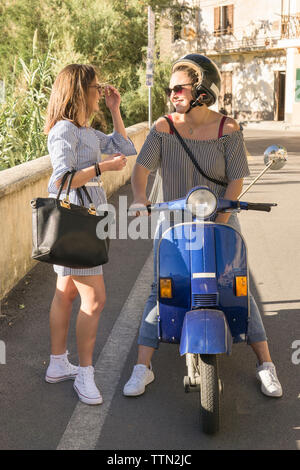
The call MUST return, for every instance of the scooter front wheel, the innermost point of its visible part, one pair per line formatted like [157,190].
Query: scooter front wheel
[209,393]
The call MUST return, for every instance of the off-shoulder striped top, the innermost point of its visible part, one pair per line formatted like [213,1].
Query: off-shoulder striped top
[223,159]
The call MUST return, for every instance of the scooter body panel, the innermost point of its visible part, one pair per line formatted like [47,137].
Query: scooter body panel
[205,332]
[202,259]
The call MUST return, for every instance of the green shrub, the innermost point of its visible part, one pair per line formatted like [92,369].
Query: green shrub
[22,115]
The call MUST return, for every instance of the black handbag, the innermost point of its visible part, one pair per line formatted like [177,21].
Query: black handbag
[66,234]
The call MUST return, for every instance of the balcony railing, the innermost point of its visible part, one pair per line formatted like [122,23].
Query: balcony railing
[290,26]
[231,44]
[247,43]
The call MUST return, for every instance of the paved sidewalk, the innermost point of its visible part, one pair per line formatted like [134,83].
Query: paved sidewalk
[37,415]
[277,126]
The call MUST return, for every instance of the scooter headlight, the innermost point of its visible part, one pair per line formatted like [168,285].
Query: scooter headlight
[202,203]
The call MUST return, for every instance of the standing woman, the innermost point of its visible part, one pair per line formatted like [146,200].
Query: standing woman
[73,144]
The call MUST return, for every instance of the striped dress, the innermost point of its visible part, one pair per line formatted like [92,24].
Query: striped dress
[71,147]
[223,159]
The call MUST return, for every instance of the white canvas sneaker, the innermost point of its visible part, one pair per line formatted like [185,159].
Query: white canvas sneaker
[270,385]
[60,369]
[140,377]
[86,388]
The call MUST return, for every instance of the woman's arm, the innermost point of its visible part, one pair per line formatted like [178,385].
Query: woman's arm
[118,123]
[236,165]
[113,101]
[139,181]
[148,160]
[81,177]
[233,190]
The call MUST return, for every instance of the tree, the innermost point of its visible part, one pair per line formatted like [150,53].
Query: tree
[110,34]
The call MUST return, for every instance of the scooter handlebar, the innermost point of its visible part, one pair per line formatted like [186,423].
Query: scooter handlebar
[257,206]
[223,205]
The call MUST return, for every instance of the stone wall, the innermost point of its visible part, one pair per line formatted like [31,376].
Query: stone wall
[20,184]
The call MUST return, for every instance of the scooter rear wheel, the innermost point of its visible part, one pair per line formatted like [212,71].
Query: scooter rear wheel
[209,393]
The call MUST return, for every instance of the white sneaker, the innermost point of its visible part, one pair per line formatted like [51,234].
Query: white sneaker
[86,388]
[270,384]
[60,369]
[140,377]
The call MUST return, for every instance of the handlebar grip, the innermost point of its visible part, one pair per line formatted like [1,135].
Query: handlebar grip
[258,206]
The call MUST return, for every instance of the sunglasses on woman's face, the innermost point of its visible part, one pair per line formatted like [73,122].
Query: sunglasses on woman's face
[178,89]
[100,87]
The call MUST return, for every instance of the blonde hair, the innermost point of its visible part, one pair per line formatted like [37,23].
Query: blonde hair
[69,95]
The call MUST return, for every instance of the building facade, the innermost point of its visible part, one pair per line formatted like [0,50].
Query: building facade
[256,45]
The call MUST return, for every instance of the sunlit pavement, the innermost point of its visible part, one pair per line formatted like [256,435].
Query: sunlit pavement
[37,415]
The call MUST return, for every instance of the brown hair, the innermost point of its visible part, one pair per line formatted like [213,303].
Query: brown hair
[69,95]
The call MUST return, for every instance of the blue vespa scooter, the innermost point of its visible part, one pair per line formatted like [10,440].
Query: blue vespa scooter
[203,279]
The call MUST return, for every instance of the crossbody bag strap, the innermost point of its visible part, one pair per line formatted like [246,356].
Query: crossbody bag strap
[188,151]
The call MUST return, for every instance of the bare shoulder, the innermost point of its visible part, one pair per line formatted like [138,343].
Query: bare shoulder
[161,125]
[230,125]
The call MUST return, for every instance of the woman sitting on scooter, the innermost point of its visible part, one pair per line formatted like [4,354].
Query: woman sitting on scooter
[218,146]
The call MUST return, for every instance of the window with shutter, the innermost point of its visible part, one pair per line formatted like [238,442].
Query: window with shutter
[223,20]
[217,25]
[229,19]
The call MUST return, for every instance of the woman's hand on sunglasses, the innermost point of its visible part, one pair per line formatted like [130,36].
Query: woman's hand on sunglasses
[112,98]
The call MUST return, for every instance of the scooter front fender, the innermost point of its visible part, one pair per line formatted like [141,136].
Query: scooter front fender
[205,331]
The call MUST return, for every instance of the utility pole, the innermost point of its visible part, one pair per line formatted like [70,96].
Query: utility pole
[150,61]
[198,26]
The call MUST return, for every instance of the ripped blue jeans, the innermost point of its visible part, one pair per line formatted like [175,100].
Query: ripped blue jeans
[148,332]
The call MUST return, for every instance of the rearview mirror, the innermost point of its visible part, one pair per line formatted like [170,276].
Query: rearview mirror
[275,157]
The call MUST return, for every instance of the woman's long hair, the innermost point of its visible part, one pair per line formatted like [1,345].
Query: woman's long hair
[69,95]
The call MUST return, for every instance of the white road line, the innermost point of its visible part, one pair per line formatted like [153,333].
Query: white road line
[85,425]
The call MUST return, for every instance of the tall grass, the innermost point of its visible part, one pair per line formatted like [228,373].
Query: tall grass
[22,114]
[28,89]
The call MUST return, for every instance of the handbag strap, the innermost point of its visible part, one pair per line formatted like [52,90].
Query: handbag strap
[188,151]
[63,183]
[78,190]
[80,196]
[71,174]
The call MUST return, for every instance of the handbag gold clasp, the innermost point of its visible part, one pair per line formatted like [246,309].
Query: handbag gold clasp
[92,209]
[65,203]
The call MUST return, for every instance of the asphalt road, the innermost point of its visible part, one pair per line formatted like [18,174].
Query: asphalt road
[38,415]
